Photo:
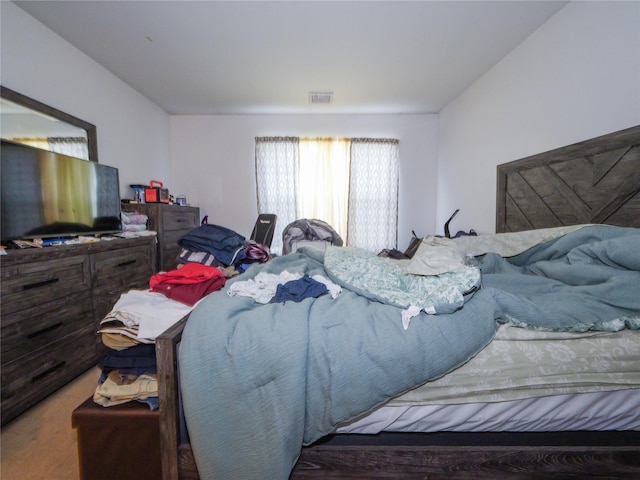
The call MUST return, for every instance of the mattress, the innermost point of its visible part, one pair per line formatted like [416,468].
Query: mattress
[525,381]
[597,411]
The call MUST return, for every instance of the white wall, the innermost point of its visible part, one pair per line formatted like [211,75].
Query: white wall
[133,133]
[213,161]
[576,77]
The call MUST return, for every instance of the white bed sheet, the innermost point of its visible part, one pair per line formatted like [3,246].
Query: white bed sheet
[599,411]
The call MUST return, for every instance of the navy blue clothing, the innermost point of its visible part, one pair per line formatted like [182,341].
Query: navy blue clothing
[133,360]
[298,290]
[223,243]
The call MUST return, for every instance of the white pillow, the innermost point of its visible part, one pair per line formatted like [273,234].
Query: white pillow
[438,255]
[435,256]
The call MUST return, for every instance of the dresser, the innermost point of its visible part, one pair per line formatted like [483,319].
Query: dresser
[171,222]
[52,302]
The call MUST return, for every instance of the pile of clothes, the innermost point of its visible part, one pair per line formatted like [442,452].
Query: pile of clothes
[133,221]
[129,369]
[127,375]
[210,255]
[221,247]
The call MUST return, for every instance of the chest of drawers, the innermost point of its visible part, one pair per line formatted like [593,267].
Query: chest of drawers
[171,222]
[52,302]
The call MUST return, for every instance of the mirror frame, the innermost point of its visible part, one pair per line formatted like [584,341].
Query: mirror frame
[92,136]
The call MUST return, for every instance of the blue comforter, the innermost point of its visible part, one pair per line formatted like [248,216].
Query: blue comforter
[259,381]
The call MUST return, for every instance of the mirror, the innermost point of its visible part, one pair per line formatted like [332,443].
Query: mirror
[25,120]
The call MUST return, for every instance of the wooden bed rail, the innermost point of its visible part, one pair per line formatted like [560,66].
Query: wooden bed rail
[169,403]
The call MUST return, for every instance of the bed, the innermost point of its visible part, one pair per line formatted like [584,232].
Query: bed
[390,413]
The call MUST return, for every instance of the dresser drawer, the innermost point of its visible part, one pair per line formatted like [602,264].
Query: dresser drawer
[103,304]
[171,249]
[168,258]
[28,284]
[25,382]
[171,238]
[117,271]
[180,218]
[28,330]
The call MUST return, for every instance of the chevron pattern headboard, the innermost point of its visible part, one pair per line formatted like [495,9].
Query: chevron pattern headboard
[595,181]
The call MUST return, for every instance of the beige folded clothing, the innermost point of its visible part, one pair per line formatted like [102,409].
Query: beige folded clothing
[118,388]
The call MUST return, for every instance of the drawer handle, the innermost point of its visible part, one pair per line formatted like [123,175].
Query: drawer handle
[40,284]
[128,262]
[49,371]
[44,330]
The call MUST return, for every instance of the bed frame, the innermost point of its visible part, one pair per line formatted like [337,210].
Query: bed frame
[596,181]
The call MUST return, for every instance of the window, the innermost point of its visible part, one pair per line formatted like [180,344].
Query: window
[352,184]
[324,181]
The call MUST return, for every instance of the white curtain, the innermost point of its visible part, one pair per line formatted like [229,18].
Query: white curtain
[277,181]
[324,181]
[352,184]
[71,146]
[373,195]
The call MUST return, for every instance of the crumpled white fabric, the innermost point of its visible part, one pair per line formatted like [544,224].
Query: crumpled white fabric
[408,314]
[263,286]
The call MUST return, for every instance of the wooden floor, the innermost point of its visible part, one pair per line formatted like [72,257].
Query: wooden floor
[41,444]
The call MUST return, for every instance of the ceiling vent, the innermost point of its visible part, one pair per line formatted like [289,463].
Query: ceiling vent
[320,97]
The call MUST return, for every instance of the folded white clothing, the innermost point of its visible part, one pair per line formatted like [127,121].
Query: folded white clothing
[152,312]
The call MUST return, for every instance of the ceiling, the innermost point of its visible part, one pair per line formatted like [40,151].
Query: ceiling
[264,57]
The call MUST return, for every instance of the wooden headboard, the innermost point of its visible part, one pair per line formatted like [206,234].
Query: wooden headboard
[595,181]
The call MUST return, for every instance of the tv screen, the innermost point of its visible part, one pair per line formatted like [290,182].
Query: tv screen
[46,194]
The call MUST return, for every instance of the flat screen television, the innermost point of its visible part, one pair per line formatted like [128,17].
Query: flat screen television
[46,194]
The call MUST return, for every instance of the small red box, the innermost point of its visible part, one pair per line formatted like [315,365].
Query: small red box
[155,193]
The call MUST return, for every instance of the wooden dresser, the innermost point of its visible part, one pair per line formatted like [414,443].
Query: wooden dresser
[171,222]
[52,302]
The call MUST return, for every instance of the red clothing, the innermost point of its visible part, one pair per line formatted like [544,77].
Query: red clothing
[189,283]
